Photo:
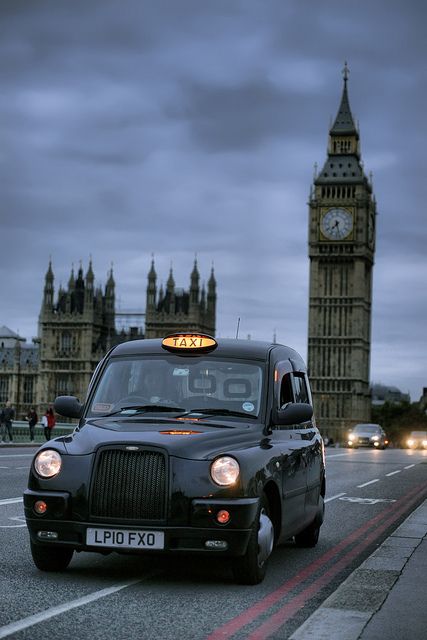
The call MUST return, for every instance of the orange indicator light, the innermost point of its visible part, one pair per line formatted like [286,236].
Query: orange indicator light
[40,507]
[223,516]
[175,432]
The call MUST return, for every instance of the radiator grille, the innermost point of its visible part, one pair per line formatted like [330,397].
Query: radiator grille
[129,485]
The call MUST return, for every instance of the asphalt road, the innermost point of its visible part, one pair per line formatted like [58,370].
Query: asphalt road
[369,493]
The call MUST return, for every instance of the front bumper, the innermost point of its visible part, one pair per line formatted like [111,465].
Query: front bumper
[202,526]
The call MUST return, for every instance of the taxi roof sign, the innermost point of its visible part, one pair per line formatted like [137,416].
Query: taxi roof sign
[189,343]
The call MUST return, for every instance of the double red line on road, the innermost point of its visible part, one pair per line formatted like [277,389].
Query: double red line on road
[381,522]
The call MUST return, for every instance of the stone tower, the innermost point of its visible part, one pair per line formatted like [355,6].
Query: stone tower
[342,213]
[174,310]
[75,331]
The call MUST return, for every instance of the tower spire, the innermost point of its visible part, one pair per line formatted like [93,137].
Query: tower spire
[344,122]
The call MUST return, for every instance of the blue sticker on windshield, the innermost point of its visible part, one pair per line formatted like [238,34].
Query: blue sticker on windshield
[248,406]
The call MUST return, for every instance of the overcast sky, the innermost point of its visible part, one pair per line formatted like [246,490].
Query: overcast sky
[133,127]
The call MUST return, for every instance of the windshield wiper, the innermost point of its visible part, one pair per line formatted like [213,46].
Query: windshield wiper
[144,408]
[223,412]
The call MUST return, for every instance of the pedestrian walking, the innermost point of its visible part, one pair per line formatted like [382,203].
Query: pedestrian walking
[7,415]
[48,422]
[32,421]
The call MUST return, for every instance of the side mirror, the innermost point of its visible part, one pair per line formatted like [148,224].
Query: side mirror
[68,406]
[293,413]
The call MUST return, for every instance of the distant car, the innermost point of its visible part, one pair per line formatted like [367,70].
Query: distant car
[367,435]
[417,440]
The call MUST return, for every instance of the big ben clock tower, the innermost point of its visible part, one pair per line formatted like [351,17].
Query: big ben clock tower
[341,249]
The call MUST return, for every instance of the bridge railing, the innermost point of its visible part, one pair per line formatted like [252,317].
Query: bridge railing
[21,431]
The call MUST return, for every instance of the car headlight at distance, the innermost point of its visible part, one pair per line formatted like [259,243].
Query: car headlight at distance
[48,463]
[375,438]
[225,471]
[424,443]
[410,443]
[350,438]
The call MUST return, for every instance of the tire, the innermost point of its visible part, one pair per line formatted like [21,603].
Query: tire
[309,537]
[51,558]
[251,568]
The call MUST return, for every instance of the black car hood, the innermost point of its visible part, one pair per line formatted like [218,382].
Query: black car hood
[196,440]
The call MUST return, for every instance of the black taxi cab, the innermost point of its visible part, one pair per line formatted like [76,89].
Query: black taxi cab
[186,445]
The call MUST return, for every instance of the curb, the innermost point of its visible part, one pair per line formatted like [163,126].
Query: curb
[345,613]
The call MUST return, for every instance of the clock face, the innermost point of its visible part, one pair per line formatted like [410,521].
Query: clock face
[337,224]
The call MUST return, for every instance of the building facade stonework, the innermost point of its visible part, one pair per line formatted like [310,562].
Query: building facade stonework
[342,221]
[77,327]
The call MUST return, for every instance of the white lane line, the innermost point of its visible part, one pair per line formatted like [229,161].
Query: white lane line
[24,623]
[365,484]
[393,472]
[337,455]
[4,467]
[335,497]
[16,455]
[409,466]
[10,501]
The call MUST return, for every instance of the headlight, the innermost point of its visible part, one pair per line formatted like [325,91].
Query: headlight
[375,438]
[350,438]
[225,471]
[410,443]
[48,463]
[424,443]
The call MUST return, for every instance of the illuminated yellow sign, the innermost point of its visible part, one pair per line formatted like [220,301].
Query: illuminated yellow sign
[189,342]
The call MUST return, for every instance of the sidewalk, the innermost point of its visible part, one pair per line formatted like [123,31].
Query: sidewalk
[385,598]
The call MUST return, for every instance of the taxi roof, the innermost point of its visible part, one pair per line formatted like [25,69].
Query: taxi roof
[227,347]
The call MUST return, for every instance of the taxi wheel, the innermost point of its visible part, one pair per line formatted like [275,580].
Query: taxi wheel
[251,568]
[51,558]
[309,537]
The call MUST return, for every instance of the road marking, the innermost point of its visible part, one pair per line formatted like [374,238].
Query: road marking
[365,484]
[409,466]
[26,467]
[337,455]
[19,519]
[367,500]
[14,627]
[393,472]
[334,497]
[16,455]
[10,501]
[4,467]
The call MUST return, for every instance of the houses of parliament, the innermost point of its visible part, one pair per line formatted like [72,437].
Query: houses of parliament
[80,323]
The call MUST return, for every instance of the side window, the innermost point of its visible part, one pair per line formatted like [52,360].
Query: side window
[300,387]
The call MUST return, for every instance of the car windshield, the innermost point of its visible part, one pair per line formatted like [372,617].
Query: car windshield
[175,384]
[366,428]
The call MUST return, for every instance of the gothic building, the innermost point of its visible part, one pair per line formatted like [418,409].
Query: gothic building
[342,212]
[172,309]
[75,330]
[78,325]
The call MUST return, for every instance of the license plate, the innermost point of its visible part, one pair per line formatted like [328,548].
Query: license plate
[125,539]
